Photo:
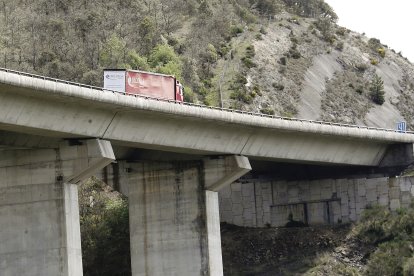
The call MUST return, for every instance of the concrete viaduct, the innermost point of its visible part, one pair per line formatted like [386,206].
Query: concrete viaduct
[169,158]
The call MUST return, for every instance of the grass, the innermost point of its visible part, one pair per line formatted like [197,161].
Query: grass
[391,239]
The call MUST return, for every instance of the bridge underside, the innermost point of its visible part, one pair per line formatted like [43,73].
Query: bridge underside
[398,157]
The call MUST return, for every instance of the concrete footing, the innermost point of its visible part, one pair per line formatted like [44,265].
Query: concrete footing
[39,213]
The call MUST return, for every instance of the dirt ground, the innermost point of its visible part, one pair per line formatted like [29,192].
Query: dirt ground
[277,251]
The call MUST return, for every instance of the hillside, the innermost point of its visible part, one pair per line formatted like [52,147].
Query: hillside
[380,244]
[281,57]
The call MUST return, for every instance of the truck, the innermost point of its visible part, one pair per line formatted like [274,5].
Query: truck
[143,83]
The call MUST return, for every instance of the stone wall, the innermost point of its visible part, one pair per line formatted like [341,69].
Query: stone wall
[257,203]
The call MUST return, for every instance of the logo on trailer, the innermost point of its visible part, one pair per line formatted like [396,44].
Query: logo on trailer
[135,81]
[114,76]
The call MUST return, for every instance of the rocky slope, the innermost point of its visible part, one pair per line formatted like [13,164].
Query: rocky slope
[303,72]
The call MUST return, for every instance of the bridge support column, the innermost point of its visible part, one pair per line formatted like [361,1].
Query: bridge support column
[39,213]
[174,215]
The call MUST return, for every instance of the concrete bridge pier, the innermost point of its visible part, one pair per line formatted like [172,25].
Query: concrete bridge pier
[39,213]
[174,214]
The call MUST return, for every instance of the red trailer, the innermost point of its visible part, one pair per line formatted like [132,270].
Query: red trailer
[143,83]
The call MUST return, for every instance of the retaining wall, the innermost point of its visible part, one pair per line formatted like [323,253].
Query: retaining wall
[258,203]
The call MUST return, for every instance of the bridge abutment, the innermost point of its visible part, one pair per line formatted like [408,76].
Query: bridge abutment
[261,202]
[39,213]
[174,215]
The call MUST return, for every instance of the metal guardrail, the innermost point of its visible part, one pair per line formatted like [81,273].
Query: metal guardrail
[200,105]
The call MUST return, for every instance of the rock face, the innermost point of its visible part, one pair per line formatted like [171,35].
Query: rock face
[323,67]
[301,73]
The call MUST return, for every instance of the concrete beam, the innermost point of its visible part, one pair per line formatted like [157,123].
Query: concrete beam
[99,154]
[39,213]
[398,155]
[220,172]
[16,140]
[53,108]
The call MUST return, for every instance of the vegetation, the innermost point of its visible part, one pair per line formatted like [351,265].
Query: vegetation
[374,44]
[267,111]
[381,52]
[104,220]
[240,92]
[386,238]
[311,8]
[326,265]
[393,234]
[377,90]
[77,39]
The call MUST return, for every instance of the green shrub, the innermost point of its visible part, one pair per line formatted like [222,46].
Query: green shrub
[136,61]
[240,79]
[283,60]
[374,43]
[341,31]
[223,49]
[250,52]
[242,96]
[339,45]
[361,67]
[263,30]
[381,52]
[248,62]
[388,259]
[278,86]
[393,235]
[240,92]
[377,90]
[408,267]
[294,39]
[235,30]
[294,53]
[360,89]
[259,37]
[328,265]
[267,110]
[266,7]
[256,90]
[163,54]
[374,61]
[288,114]
[189,95]
[325,26]
[371,228]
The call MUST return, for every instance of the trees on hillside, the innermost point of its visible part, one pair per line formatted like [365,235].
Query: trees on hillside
[377,90]
[76,39]
[312,8]
[104,219]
